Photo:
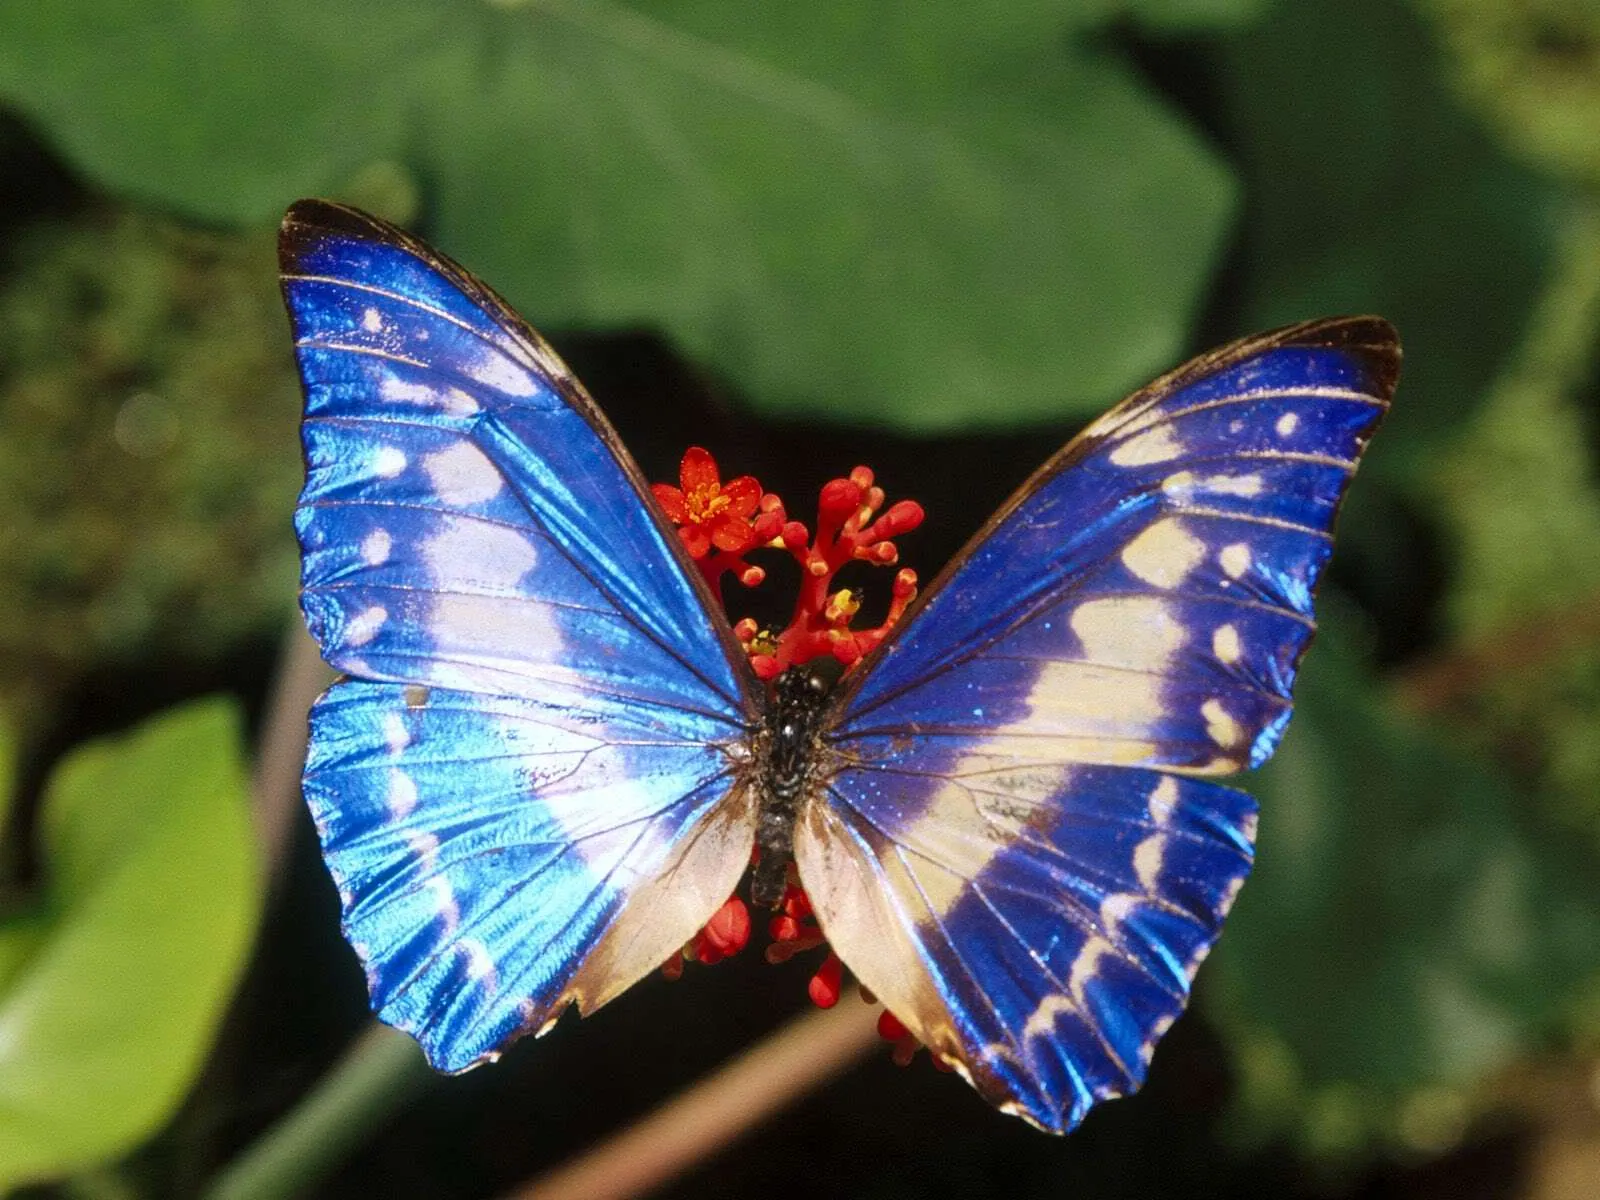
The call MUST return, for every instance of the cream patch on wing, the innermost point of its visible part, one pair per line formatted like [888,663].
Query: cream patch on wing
[401,795]
[480,966]
[1235,559]
[1163,800]
[1163,553]
[485,643]
[364,626]
[451,400]
[479,555]
[495,369]
[1156,445]
[462,475]
[1221,726]
[395,734]
[388,461]
[668,905]
[984,805]
[1185,485]
[375,547]
[1147,859]
[870,925]
[1225,644]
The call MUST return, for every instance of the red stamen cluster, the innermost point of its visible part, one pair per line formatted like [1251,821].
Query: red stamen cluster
[905,1043]
[794,931]
[722,522]
[727,933]
[848,530]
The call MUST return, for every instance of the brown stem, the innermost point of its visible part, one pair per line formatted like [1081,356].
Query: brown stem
[718,1110]
[301,677]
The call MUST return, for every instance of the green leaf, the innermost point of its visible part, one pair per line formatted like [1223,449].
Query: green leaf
[888,213]
[1403,934]
[1374,190]
[1516,488]
[1187,16]
[152,894]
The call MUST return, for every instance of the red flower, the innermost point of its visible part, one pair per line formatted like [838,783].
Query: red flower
[721,522]
[707,511]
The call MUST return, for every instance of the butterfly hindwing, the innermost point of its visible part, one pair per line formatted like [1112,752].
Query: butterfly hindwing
[544,700]
[499,856]
[1039,928]
[1001,854]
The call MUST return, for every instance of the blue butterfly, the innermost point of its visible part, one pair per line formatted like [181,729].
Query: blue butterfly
[549,758]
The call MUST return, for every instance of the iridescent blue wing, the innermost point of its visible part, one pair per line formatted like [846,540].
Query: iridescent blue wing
[1014,850]
[546,706]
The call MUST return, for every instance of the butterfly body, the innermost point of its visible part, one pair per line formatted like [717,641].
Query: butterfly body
[789,764]
[550,758]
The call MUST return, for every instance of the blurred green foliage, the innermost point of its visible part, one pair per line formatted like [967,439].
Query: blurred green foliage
[115,976]
[1404,933]
[150,418]
[889,210]
[898,214]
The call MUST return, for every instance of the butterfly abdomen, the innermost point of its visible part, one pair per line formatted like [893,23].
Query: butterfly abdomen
[788,758]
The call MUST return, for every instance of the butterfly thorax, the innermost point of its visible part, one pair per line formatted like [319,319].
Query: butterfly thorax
[788,761]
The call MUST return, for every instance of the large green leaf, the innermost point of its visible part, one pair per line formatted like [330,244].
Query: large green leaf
[1373,189]
[151,897]
[1405,932]
[892,213]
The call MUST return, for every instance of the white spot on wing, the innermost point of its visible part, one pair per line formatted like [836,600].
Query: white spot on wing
[388,462]
[1235,559]
[1147,859]
[1117,907]
[1221,727]
[502,374]
[480,965]
[1185,485]
[1133,631]
[364,626]
[1156,445]
[1163,800]
[372,321]
[395,735]
[426,847]
[478,554]
[1286,424]
[402,797]
[1233,485]
[1163,553]
[1225,644]
[451,400]
[375,547]
[444,899]
[462,475]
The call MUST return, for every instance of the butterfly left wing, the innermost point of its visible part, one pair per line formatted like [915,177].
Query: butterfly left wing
[528,793]
[1014,848]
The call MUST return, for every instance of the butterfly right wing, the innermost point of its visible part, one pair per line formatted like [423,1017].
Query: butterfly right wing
[1014,849]
[530,792]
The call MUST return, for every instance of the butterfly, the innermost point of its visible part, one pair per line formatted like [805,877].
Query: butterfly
[548,758]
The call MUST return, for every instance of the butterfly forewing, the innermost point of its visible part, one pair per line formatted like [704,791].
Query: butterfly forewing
[999,853]
[544,700]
